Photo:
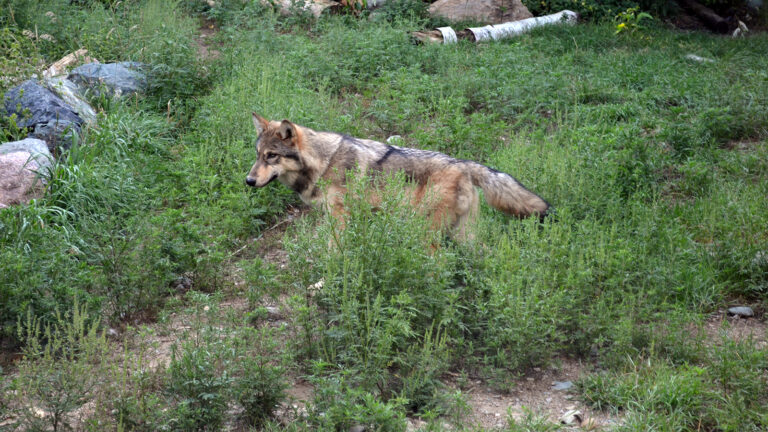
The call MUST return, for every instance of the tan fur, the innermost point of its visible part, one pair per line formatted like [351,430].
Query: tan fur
[300,158]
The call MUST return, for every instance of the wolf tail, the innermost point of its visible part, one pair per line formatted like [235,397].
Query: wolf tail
[505,193]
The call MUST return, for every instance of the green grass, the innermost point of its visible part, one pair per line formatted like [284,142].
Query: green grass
[659,180]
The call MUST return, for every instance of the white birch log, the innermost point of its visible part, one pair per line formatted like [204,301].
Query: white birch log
[511,29]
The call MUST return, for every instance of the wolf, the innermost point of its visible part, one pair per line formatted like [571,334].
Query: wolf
[304,159]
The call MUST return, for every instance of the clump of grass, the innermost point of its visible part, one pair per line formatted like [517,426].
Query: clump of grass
[707,394]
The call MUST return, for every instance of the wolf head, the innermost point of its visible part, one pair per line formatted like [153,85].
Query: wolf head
[278,149]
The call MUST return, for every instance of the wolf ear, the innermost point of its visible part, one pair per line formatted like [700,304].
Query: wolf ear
[260,123]
[287,130]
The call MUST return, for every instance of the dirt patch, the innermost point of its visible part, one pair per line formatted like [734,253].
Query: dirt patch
[204,41]
[743,145]
[269,244]
[720,325]
[534,392]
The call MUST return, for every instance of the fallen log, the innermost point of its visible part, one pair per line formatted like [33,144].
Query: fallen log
[712,20]
[447,35]
[60,67]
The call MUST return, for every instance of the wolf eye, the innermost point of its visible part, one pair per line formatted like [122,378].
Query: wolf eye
[272,157]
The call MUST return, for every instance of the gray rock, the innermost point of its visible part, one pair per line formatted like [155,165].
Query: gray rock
[34,104]
[182,283]
[562,385]
[741,311]
[117,79]
[58,134]
[69,92]
[37,149]
[273,313]
[357,428]
[699,59]
[572,418]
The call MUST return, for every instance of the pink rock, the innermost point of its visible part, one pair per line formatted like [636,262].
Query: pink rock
[18,181]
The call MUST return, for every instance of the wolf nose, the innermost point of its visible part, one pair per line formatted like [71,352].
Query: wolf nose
[250,182]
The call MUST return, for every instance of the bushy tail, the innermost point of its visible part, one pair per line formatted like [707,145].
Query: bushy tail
[505,193]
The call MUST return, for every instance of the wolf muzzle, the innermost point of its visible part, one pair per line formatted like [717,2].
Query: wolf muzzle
[252,182]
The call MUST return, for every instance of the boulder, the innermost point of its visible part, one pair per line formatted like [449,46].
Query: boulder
[37,149]
[43,105]
[70,93]
[19,181]
[484,11]
[39,109]
[58,134]
[117,79]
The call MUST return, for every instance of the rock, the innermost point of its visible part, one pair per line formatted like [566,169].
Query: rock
[572,418]
[562,385]
[19,181]
[741,311]
[37,148]
[34,104]
[181,283]
[760,259]
[273,313]
[58,134]
[394,139]
[699,59]
[357,428]
[484,11]
[117,79]
[70,93]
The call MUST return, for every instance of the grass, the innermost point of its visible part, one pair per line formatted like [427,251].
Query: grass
[659,180]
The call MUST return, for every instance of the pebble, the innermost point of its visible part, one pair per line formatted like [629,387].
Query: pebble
[562,385]
[572,417]
[699,59]
[741,311]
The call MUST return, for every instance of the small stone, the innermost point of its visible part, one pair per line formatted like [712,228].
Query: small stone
[182,283]
[113,333]
[273,313]
[394,139]
[741,311]
[572,417]
[549,399]
[357,428]
[699,59]
[562,385]
[529,379]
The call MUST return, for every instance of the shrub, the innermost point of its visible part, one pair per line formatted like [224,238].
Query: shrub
[198,383]
[259,386]
[61,370]
[339,405]
[385,299]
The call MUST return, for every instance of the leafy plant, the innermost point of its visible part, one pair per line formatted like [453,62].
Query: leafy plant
[61,370]
[631,21]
